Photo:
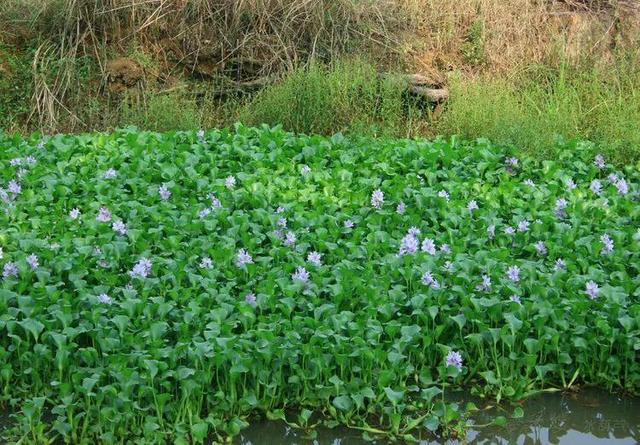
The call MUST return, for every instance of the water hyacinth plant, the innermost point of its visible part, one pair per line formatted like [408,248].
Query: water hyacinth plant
[127,315]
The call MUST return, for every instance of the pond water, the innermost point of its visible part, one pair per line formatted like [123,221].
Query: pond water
[584,418]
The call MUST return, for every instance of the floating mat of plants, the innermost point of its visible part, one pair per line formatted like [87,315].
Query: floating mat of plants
[170,287]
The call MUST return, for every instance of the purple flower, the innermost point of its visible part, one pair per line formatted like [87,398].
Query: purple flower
[491,231]
[164,192]
[448,266]
[305,169]
[523,226]
[529,183]
[621,185]
[509,230]
[30,160]
[280,209]
[377,198]
[560,264]
[9,270]
[559,210]
[230,182]
[613,178]
[250,298]
[429,280]
[443,194]
[290,239]
[282,222]
[570,184]
[485,285]
[599,161]
[592,290]
[32,260]
[314,258]
[540,247]
[74,213]
[105,299]
[120,227]
[408,244]
[454,359]
[204,212]
[348,224]
[300,274]
[429,246]
[40,145]
[445,248]
[515,299]
[111,173]
[513,273]
[596,187]
[414,231]
[141,269]
[206,263]
[607,244]
[15,162]
[511,161]
[400,209]
[242,258]
[473,205]
[14,187]
[104,214]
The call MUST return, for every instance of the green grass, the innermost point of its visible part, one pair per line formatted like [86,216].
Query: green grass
[536,109]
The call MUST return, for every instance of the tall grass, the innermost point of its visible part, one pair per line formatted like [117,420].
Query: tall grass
[536,108]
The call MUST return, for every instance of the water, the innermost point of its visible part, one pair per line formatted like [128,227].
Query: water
[586,418]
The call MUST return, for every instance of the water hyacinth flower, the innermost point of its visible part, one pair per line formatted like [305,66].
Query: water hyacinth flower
[408,244]
[515,299]
[315,258]
[40,145]
[429,246]
[513,274]
[104,214]
[400,209]
[570,184]
[599,161]
[242,258]
[300,275]
[414,231]
[119,227]
[445,248]
[473,205]
[74,213]
[523,226]
[512,161]
[509,230]
[206,263]
[282,222]
[540,247]
[596,187]
[561,205]
[529,183]
[607,242]
[290,239]
[15,162]
[348,224]
[305,169]
[448,266]
[622,186]
[141,269]
[204,212]
[9,270]
[110,174]
[164,192]
[105,299]
[280,209]
[429,280]
[250,298]
[491,231]
[32,261]
[485,286]
[592,289]
[14,187]
[560,264]
[377,198]
[230,182]
[443,194]
[454,358]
